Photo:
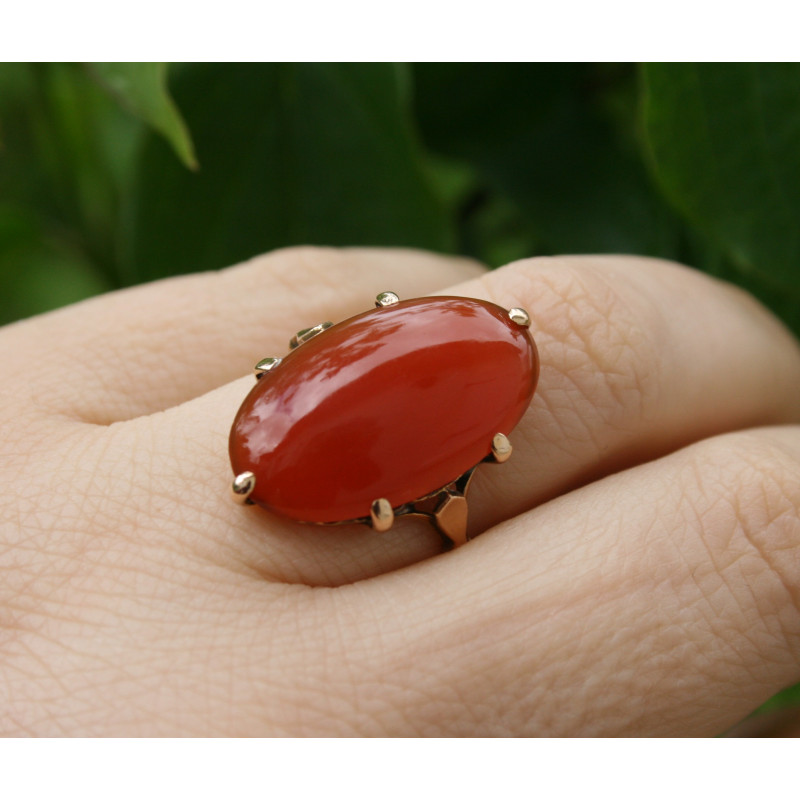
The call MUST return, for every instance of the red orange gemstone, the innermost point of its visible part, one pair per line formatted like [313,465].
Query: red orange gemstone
[396,402]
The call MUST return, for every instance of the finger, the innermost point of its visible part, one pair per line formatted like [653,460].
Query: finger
[141,350]
[638,358]
[661,601]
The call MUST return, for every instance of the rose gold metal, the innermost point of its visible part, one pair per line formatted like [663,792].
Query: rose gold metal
[520,316]
[501,448]
[242,487]
[266,365]
[386,299]
[451,518]
[381,514]
[308,333]
[447,509]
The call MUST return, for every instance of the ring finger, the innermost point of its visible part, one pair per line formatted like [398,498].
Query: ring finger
[638,359]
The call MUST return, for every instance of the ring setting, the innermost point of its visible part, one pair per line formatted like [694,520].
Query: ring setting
[385,414]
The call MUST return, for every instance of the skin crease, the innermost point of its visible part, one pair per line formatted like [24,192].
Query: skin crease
[637,572]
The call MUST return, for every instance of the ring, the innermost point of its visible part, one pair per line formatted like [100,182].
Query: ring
[385,414]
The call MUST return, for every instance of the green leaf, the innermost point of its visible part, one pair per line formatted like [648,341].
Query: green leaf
[788,698]
[65,156]
[38,272]
[142,89]
[558,142]
[725,145]
[291,154]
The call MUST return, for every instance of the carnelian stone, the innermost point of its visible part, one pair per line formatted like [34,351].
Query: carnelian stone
[396,402]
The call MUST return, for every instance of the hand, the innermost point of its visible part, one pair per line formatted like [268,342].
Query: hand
[638,571]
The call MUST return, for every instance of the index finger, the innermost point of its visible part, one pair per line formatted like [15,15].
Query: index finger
[141,350]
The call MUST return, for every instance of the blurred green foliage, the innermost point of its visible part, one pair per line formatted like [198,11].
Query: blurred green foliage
[113,174]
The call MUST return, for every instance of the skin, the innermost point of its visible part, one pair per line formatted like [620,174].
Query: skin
[637,572]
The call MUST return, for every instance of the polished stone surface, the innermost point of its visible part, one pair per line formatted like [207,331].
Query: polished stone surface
[395,403]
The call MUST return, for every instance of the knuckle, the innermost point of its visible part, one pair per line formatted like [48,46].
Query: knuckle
[285,264]
[749,510]
[599,338]
[332,271]
[760,472]
[298,254]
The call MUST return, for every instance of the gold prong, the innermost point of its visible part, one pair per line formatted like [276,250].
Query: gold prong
[520,316]
[381,514]
[450,517]
[308,333]
[266,365]
[386,299]
[501,448]
[242,487]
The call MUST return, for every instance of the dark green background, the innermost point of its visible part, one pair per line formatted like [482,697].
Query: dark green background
[113,174]
[104,181]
